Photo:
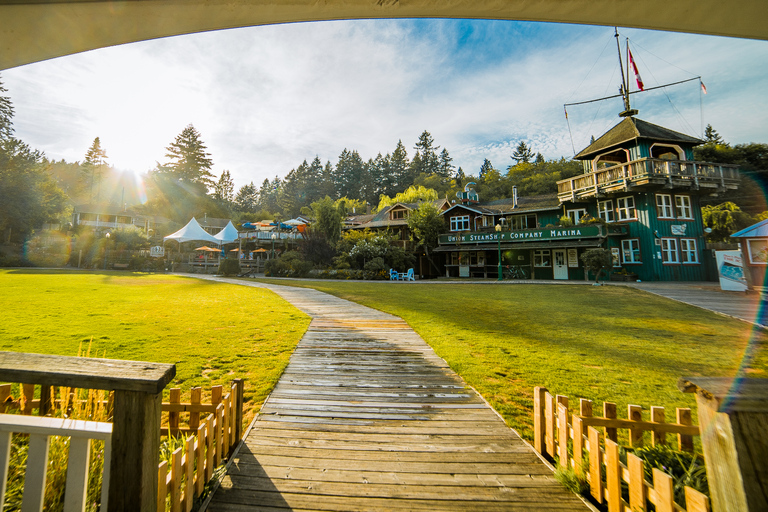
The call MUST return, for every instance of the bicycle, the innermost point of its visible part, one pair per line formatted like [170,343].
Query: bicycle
[514,272]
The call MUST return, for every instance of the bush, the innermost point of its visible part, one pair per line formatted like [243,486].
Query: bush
[290,264]
[597,261]
[376,265]
[229,267]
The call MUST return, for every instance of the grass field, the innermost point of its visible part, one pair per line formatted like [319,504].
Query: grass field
[605,343]
[212,332]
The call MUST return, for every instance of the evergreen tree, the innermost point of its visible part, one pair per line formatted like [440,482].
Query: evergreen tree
[224,190]
[94,166]
[399,169]
[351,176]
[522,153]
[247,199]
[188,160]
[426,160]
[6,115]
[446,168]
[28,195]
[712,137]
[485,169]
[328,219]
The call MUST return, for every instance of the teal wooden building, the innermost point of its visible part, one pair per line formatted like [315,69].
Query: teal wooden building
[638,197]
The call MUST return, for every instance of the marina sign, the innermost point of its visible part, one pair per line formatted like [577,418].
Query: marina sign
[524,235]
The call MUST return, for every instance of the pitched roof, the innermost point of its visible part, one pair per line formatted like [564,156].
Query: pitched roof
[756,230]
[507,205]
[631,128]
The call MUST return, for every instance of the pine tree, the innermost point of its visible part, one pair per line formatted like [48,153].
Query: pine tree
[247,199]
[428,161]
[712,137]
[224,189]
[486,168]
[446,168]
[522,153]
[188,160]
[399,168]
[6,115]
[94,166]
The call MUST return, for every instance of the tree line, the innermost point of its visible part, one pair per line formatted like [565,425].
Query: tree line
[36,190]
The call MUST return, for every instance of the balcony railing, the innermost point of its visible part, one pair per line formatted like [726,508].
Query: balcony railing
[645,171]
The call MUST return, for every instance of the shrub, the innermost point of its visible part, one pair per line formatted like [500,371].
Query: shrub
[229,267]
[290,264]
[597,261]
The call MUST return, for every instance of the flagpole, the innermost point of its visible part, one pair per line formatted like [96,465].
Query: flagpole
[624,94]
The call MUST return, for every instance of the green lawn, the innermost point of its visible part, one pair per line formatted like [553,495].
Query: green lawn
[605,343]
[212,332]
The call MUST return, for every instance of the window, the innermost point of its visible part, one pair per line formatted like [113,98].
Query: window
[688,250]
[664,206]
[576,215]
[398,214]
[605,210]
[758,251]
[669,250]
[683,207]
[541,258]
[460,223]
[523,221]
[626,208]
[630,251]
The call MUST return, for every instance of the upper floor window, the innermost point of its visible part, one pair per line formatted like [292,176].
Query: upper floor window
[460,223]
[398,214]
[664,206]
[523,221]
[683,207]
[626,208]
[576,215]
[605,210]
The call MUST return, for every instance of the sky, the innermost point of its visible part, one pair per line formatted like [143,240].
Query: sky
[264,99]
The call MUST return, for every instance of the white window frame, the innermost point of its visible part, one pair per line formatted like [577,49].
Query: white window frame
[576,214]
[669,253]
[664,209]
[460,223]
[630,251]
[605,210]
[542,258]
[625,209]
[683,207]
[689,253]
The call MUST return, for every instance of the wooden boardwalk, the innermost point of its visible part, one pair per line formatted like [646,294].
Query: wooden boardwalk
[367,417]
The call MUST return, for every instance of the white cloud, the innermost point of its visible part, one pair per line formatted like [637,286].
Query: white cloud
[266,98]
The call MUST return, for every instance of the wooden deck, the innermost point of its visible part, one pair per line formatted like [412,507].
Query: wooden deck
[367,417]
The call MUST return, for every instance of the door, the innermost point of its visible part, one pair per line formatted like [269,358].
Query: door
[560,264]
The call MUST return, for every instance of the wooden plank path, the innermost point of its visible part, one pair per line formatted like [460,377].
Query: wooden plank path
[368,417]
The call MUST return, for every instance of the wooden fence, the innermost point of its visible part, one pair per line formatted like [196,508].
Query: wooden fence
[213,430]
[556,428]
[212,440]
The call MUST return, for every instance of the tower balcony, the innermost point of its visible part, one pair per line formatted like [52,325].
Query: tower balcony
[648,173]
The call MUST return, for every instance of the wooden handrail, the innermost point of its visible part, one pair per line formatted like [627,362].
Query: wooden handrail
[137,390]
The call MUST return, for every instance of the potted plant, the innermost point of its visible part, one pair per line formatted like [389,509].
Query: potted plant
[623,275]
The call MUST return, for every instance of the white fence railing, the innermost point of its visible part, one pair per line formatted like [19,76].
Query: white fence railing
[40,430]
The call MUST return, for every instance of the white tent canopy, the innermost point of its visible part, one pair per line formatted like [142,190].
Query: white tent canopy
[227,235]
[192,232]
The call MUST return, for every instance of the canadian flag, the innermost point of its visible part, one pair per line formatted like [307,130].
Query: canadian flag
[637,74]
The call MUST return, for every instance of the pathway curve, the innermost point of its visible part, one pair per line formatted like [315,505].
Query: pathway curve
[368,417]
